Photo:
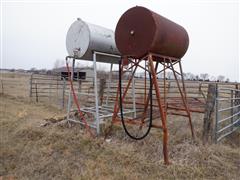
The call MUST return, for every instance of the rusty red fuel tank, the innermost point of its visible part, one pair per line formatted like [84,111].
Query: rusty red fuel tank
[140,31]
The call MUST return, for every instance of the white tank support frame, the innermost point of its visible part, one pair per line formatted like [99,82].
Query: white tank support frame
[98,111]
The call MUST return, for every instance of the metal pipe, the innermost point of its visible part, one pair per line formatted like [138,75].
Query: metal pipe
[221,137]
[107,54]
[232,110]
[220,121]
[162,113]
[96,93]
[133,96]
[183,99]
[228,126]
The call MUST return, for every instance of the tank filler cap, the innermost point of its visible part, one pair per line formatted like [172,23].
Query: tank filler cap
[76,51]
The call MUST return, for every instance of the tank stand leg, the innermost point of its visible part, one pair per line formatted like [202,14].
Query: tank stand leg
[161,109]
[183,94]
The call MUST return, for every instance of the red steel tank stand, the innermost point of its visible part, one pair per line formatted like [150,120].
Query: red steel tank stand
[152,66]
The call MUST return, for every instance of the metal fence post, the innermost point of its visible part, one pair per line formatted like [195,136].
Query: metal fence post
[232,109]
[237,101]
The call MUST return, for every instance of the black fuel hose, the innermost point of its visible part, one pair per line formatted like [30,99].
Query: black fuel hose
[121,108]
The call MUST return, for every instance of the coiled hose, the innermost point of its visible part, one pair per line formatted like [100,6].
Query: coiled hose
[121,108]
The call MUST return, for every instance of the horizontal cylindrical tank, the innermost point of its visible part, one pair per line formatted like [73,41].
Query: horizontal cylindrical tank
[140,31]
[83,38]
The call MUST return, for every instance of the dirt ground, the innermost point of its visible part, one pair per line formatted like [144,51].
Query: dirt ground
[29,150]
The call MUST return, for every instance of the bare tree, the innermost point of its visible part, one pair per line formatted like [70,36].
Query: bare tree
[196,77]
[204,76]
[33,69]
[160,75]
[184,76]
[58,63]
[220,78]
[189,76]
[212,78]
[169,75]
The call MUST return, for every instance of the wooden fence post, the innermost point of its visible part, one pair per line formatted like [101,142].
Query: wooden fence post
[49,91]
[30,85]
[169,86]
[79,81]
[36,92]
[2,92]
[209,113]
[57,88]
[200,87]
[63,92]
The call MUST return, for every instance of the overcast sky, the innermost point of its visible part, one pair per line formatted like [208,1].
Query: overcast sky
[33,32]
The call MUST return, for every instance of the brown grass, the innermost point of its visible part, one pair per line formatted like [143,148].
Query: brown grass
[30,151]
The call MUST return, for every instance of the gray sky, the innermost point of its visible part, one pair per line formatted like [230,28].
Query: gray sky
[33,32]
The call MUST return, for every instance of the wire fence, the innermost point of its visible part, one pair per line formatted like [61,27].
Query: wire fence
[15,84]
[49,88]
[55,90]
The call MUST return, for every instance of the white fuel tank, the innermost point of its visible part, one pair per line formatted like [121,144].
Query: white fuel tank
[83,38]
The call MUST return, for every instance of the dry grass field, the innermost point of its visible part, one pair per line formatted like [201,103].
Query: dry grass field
[29,150]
